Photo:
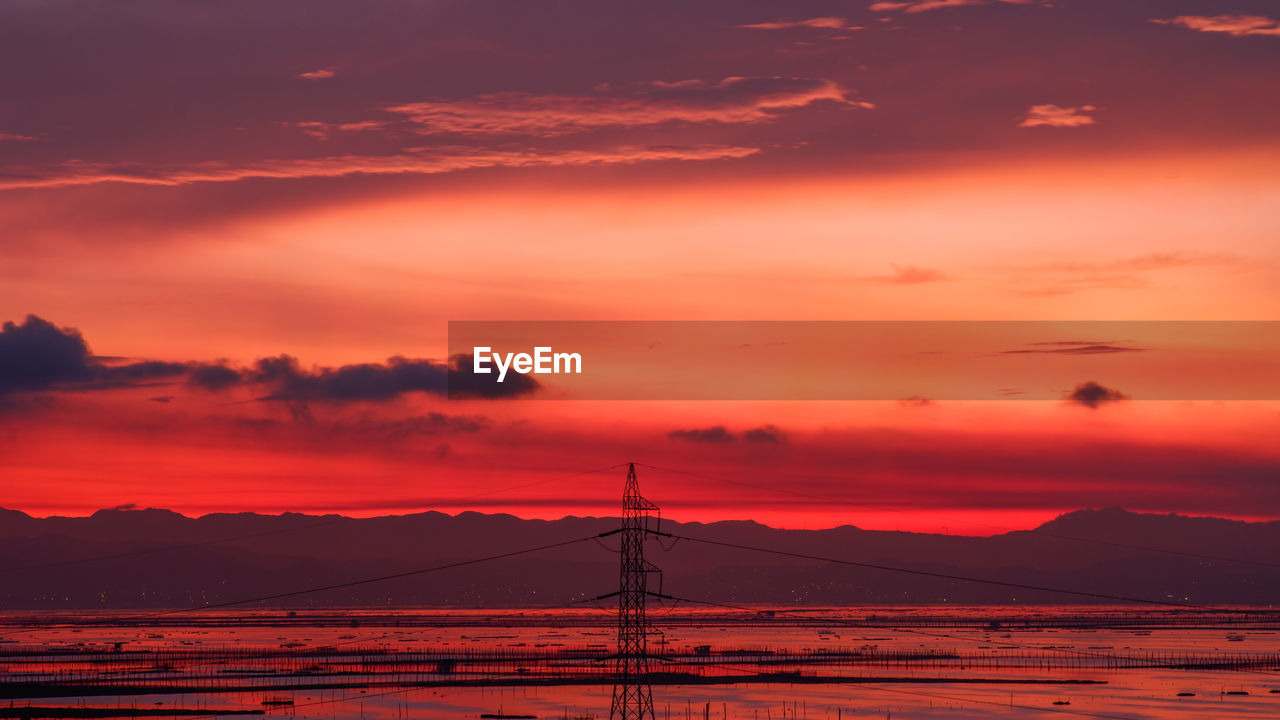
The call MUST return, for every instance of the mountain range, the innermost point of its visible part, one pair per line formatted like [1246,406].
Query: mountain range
[130,558]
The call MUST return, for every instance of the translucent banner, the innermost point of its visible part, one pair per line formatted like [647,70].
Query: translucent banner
[749,360]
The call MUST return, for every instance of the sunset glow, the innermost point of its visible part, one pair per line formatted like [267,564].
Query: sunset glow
[287,182]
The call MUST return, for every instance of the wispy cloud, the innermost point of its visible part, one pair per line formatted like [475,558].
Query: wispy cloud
[1055,116]
[733,100]
[919,6]
[821,23]
[1062,278]
[419,161]
[15,136]
[1074,347]
[323,74]
[910,275]
[1151,261]
[1238,25]
[324,131]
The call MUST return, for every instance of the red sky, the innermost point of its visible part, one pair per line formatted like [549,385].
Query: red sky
[335,181]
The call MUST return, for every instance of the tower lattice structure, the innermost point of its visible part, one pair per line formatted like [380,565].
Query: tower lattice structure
[632,695]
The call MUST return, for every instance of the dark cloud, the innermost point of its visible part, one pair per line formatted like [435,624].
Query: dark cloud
[143,371]
[284,379]
[38,355]
[287,380]
[1074,348]
[163,399]
[213,377]
[764,434]
[1092,395]
[1074,343]
[716,434]
[719,434]
[463,384]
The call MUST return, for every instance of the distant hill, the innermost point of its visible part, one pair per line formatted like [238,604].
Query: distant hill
[158,558]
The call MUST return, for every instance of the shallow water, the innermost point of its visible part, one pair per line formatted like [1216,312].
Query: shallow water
[934,662]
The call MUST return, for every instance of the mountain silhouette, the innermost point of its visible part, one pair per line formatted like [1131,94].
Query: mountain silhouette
[138,558]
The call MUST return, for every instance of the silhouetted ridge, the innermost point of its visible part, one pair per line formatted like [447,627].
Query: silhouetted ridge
[158,558]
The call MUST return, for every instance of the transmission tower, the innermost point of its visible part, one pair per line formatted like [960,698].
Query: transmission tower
[632,696]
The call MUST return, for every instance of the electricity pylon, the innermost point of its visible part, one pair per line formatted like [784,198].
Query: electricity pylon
[632,695]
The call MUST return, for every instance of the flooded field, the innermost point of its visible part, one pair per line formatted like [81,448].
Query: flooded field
[883,662]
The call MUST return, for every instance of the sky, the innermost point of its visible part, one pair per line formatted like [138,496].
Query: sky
[232,236]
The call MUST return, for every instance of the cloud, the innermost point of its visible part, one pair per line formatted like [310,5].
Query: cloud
[919,6]
[1237,25]
[213,378]
[463,383]
[715,435]
[141,371]
[421,161]
[15,136]
[322,74]
[287,380]
[1166,260]
[719,435]
[1092,395]
[733,100]
[1073,347]
[911,275]
[324,131]
[764,434]
[824,23]
[1126,274]
[38,355]
[284,379]
[1055,116]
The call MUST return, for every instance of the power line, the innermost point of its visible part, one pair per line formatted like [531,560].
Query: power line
[381,578]
[963,578]
[322,588]
[272,653]
[167,548]
[278,531]
[1036,531]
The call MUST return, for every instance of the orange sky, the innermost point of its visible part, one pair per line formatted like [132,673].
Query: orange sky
[329,194]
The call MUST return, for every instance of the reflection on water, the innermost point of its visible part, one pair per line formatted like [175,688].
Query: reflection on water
[927,662]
